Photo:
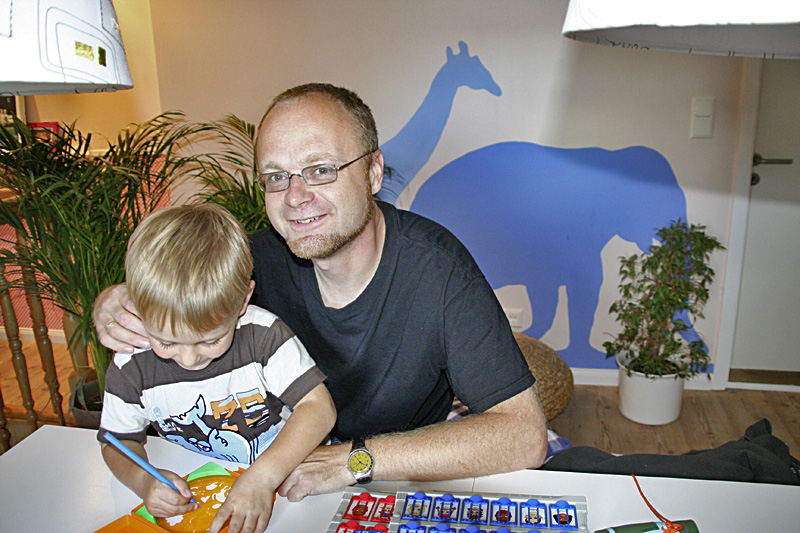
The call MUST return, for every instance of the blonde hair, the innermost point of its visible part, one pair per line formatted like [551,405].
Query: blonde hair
[189,266]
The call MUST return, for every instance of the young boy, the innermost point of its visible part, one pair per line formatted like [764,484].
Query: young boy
[221,378]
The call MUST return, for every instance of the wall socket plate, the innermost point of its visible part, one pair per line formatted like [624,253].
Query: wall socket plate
[514,316]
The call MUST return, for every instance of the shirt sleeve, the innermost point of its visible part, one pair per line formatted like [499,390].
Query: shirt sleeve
[484,363]
[123,415]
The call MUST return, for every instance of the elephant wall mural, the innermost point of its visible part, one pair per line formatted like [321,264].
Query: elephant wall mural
[531,215]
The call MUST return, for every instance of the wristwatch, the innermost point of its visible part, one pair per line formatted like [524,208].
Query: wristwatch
[360,462]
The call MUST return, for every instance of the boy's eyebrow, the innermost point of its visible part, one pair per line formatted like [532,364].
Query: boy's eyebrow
[159,339]
[210,337]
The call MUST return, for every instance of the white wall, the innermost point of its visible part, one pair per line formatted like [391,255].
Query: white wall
[216,58]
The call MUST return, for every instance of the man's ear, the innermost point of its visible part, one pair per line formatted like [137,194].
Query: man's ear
[247,297]
[376,171]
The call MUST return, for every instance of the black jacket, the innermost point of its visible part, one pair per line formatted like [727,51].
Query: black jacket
[758,456]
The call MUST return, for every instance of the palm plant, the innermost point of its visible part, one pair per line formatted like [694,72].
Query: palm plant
[75,213]
[228,177]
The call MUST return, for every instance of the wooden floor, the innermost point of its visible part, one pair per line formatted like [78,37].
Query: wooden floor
[39,390]
[12,398]
[708,418]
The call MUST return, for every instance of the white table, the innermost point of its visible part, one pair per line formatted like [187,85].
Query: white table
[56,480]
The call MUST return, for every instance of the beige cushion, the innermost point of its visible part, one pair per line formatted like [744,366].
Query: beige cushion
[554,381]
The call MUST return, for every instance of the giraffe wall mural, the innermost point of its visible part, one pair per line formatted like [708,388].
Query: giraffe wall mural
[534,217]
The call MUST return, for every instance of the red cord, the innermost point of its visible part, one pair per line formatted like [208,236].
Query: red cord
[670,527]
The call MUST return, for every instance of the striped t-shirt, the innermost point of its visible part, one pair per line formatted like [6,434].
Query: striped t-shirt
[232,409]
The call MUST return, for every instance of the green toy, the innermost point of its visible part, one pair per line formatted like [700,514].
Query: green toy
[656,527]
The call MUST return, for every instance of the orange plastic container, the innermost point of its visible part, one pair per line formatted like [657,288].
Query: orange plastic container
[141,521]
[131,523]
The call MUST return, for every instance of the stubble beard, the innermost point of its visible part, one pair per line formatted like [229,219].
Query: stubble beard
[324,246]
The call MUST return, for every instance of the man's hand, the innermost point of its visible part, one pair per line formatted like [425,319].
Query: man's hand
[248,506]
[514,429]
[117,322]
[321,472]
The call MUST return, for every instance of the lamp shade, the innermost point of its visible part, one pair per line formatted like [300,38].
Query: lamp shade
[61,46]
[766,28]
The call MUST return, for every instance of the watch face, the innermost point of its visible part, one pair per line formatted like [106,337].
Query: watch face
[360,462]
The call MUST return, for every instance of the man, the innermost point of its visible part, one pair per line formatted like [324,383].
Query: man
[390,304]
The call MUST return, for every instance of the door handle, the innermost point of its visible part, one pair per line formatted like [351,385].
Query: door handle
[758,160]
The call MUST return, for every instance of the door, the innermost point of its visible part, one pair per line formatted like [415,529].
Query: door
[767,333]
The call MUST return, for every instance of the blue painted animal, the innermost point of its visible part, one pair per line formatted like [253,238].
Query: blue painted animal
[533,215]
[540,216]
[408,151]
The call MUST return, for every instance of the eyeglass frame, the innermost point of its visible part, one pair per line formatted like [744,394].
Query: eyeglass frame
[260,180]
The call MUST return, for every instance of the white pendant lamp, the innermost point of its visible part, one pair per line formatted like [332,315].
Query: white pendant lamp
[766,28]
[61,46]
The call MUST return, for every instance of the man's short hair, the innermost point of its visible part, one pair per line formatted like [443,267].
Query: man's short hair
[352,104]
[188,267]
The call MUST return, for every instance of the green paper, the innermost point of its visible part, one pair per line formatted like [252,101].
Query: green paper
[208,469]
[144,513]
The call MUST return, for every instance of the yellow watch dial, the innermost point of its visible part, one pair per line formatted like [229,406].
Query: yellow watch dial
[360,462]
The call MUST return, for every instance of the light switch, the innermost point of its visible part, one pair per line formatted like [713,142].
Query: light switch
[702,126]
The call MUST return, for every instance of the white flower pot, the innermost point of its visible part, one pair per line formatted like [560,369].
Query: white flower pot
[649,400]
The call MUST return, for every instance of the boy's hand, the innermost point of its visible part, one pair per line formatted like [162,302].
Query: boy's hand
[162,501]
[248,506]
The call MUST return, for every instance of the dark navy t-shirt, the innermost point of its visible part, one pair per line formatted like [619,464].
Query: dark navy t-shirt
[426,327]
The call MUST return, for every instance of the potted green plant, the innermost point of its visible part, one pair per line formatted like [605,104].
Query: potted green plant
[75,212]
[229,175]
[662,293]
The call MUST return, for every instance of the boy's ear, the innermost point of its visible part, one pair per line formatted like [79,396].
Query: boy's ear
[247,296]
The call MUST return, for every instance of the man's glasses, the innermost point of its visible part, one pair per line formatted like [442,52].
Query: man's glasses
[313,175]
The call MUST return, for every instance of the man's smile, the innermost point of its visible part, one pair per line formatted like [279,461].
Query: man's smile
[307,220]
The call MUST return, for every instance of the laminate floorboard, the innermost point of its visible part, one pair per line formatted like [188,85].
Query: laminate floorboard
[12,398]
[708,419]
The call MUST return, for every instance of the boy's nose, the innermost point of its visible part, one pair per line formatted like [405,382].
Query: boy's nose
[189,357]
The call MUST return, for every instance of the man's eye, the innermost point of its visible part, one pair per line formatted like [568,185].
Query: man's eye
[275,178]
[323,171]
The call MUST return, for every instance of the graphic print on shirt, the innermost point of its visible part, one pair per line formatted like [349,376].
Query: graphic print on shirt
[235,428]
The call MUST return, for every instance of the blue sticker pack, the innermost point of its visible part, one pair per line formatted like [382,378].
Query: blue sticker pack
[415,511]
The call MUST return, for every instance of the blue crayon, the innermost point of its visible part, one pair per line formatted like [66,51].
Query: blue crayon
[141,462]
